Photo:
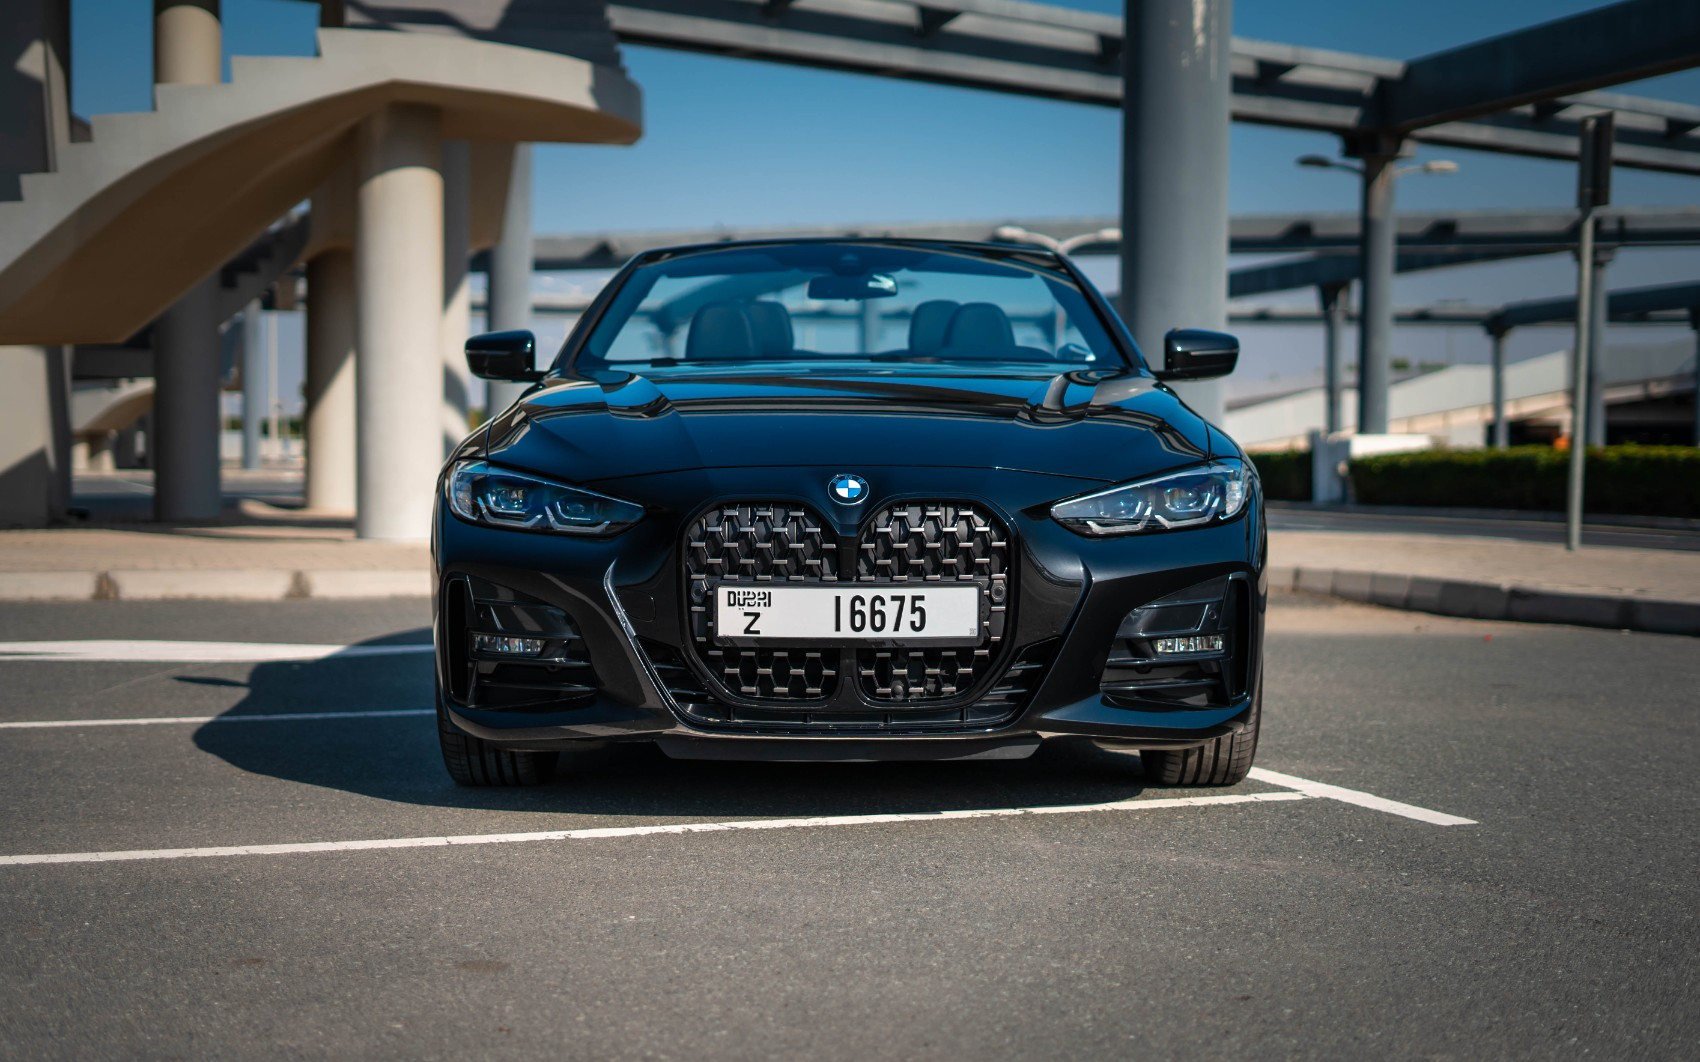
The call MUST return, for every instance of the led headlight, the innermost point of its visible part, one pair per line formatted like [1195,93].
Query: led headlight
[1190,498]
[497,497]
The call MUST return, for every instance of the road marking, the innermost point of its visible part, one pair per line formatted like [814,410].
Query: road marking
[1352,796]
[160,652]
[606,832]
[193,720]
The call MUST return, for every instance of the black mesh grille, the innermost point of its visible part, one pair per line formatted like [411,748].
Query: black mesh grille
[913,544]
[934,542]
[760,542]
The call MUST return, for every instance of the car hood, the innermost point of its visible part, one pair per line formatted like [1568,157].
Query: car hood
[1090,424]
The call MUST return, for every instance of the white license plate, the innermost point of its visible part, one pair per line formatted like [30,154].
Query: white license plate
[890,614]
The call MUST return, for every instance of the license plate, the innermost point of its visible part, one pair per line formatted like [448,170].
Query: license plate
[882,614]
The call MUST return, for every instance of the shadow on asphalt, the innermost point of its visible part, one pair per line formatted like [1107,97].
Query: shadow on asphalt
[397,759]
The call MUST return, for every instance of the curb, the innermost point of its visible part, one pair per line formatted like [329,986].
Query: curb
[1446,597]
[1494,601]
[203,585]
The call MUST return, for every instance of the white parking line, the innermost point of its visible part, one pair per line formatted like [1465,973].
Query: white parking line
[606,832]
[168,652]
[195,720]
[1362,800]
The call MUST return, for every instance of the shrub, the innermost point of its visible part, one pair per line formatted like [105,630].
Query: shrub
[1626,480]
[1285,474]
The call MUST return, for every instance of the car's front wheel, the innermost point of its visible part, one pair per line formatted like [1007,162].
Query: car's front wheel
[474,761]
[1220,761]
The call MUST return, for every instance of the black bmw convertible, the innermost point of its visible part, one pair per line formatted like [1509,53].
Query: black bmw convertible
[849,500]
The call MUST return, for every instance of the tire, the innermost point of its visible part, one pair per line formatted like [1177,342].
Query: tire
[475,762]
[1220,761]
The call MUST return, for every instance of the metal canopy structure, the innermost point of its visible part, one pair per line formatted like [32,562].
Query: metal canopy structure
[1665,303]
[1433,233]
[1523,93]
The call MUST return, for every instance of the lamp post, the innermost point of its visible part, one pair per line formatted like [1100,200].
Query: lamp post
[1375,309]
[1062,248]
[1066,246]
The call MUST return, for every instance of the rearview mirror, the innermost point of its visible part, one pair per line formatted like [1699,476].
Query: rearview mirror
[870,286]
[510,357]
[1194,354]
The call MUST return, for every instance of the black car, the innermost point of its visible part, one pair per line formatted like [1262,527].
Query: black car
[849,500]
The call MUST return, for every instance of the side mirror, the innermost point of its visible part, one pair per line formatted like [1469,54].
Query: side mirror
[1194,354]
[506,356]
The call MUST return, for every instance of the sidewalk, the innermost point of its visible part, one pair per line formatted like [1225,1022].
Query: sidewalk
[1489,578]
[272,555]
[259,554]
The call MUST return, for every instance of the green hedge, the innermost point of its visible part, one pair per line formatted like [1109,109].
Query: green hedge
[1627,480]
[1285,474]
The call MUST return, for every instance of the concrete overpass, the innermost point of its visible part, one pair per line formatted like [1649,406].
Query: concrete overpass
[375,129]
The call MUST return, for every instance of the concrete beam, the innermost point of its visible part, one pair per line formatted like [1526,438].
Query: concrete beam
[1527,231]
[1606,46]
[1064,54]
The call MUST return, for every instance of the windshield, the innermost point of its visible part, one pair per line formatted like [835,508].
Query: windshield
[836,302]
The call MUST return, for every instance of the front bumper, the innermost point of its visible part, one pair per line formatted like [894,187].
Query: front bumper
[623,596]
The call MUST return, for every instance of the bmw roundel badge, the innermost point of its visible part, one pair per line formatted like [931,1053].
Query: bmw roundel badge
[847,489]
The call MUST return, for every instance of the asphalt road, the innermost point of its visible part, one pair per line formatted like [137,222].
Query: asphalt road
[1561,924]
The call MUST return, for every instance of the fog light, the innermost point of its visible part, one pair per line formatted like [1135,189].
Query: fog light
[496,643]
[1196,643]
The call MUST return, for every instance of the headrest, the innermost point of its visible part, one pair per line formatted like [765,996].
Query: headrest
[720,331]
[928,324]
[771,324]
[980,326]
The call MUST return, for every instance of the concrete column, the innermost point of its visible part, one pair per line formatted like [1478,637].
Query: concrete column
[1694,322]
[188,45]
[457,291]
[99,454]
[1501,430]
[1375,301]
[868,326]
[32,466]
[253,401]
[329,418]
[186,407]
[1176,73]
[1597,321]
[398,262]
[1333,299]
[35,55]
[510,271]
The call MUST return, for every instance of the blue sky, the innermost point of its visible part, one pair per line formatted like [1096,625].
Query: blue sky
[739,143]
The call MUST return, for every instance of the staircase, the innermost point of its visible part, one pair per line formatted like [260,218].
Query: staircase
[137,215]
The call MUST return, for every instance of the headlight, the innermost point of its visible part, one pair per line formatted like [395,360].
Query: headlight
[1191,498]
[497,497]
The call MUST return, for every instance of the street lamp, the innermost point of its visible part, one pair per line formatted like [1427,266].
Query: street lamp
[1379,249]
[1062,248]
[1066,246]
[1323,162]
